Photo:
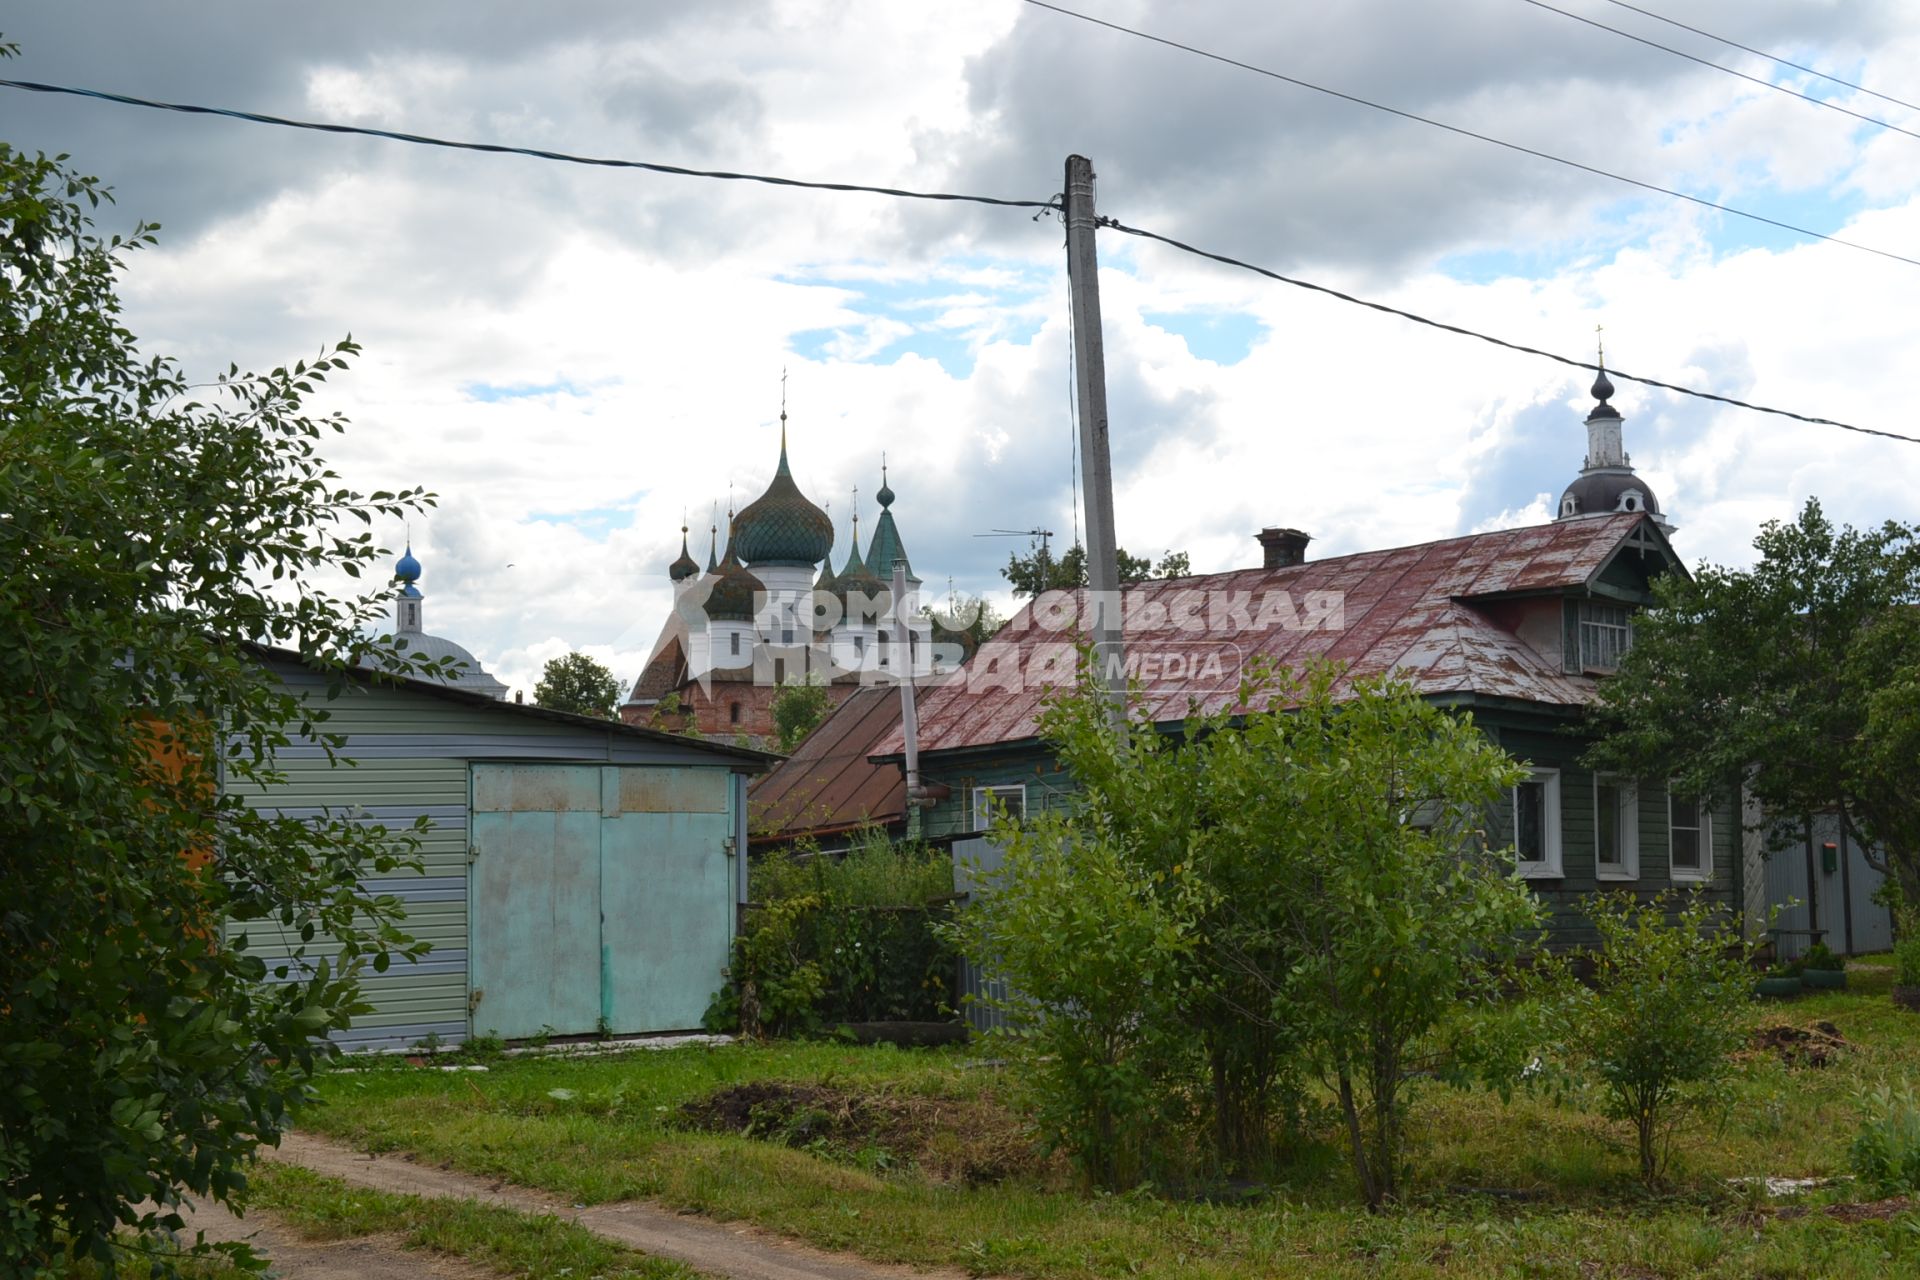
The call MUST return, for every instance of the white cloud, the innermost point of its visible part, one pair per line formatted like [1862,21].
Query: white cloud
[667,308]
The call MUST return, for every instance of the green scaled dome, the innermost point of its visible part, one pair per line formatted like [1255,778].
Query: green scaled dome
[732,597]
[781,528]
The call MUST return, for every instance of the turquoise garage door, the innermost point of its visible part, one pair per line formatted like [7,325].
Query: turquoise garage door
[601,898]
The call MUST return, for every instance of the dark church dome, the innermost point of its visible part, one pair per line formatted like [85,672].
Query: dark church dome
[1597,493]
[781,527]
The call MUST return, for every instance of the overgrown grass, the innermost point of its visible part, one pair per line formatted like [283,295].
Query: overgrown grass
[1520,1189]
[874,873]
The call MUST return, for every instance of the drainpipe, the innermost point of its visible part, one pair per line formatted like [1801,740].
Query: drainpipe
[909,718]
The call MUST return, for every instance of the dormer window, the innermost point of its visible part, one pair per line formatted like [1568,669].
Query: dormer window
[1606,634]
[1569,506]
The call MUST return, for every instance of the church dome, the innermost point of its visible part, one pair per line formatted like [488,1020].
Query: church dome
[732,597]
[1599,493]
[412,640]
[686,566]
[781,528]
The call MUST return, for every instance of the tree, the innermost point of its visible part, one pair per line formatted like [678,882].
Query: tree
[1797,676]
[1152,963]
[1041,571]
[973,616]
[1666,1007]
[798,709]
[577,683]
[1370,804]
[147,537]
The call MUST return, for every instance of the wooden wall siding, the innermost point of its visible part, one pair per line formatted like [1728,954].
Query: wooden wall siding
[412,751]
[1839,902]
[1567,923]
[1544,747]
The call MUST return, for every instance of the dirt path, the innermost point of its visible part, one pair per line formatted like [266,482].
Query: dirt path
[738,1251]
[294,1258]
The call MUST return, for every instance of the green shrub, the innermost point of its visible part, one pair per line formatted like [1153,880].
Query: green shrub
[1665,1010]
[1818,956]
[1906,953]
[1886,1152]
[833,940]
[1091,952]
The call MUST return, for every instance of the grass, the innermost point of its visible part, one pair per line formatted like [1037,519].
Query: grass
[320,1208]
[511,1242]
[1520,1189]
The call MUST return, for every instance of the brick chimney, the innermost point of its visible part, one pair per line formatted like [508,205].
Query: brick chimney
[1283,548]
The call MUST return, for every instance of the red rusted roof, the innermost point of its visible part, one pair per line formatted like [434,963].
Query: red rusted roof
[828,784]
[1409,609]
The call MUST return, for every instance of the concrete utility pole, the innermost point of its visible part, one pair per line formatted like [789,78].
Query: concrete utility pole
[1090,374]
[909,717]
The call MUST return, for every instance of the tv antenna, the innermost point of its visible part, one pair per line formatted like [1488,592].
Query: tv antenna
[1042,534]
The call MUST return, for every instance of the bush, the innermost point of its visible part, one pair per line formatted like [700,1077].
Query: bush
[148,527]
[1886,1152]
[1820,957]
[1666,1008]
[1229,909]
[1091,952]
[1906,953]
[836,940]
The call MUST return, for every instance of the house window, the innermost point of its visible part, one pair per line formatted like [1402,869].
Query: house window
[786,635]
[1606,633]
[1616,828]
[1536,824]
[735,637]
[733,712]
[989,801]
[1689,837]
[860,645]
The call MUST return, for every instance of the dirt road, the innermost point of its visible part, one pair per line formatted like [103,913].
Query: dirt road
[720,1249]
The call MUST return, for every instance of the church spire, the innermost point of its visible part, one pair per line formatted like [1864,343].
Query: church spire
[407,608]
[886,547]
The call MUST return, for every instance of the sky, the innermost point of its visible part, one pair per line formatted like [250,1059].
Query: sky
[576,359]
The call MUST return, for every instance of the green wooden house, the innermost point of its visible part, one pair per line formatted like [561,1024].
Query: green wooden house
[1515,627]
[580,876]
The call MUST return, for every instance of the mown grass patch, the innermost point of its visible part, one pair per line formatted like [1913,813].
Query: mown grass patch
[1526,1188]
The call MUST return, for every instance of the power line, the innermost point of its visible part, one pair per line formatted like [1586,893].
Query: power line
[1226,260]
[1761,53]
[1759,80]
[1469,133]
[254,117]
[1114,224]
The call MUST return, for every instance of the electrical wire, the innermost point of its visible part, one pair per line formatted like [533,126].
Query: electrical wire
[1759,80]
[1055,204]
[536,153]
[1117,225]
[1469,133]
[1761,53]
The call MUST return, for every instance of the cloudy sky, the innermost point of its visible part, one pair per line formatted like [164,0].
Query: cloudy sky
[573,357]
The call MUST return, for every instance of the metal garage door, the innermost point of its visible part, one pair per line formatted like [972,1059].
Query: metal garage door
[601,898]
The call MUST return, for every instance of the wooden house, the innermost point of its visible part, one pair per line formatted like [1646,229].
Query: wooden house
[1516,627]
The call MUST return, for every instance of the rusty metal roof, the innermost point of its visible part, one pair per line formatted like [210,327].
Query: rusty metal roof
[828,784]
[1409,610]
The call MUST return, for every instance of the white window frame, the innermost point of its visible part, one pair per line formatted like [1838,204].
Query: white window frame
[983,808]
[1549,866]
[1617,622]
[1628,818]
[1704,811]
